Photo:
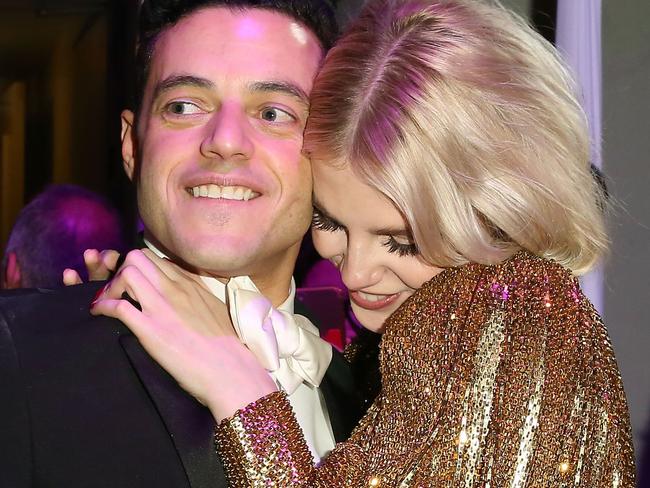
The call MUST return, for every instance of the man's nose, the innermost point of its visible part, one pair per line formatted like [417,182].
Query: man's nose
[359,268]
[227,135]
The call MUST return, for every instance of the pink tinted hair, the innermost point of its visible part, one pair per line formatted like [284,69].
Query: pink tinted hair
[467,120]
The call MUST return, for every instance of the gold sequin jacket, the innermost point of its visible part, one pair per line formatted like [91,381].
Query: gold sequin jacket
[492,376]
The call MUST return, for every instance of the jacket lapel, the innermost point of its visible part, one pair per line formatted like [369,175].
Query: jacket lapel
[190,425]
[338,389]
[341,397]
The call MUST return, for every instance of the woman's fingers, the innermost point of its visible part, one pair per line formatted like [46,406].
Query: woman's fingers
[119,309]
[138,258]
[182,299]
[163,264]
[174,272]
[139,277]
[99,266]
[190,298]
[97,271]
[151,266]
[108,258]
[147,322]
[131,280]
[71,277]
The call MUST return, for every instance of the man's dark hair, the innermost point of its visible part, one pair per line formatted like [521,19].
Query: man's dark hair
[55,228]
[158,15]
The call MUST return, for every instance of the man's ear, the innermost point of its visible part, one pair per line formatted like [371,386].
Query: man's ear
[12,272]
[129,143]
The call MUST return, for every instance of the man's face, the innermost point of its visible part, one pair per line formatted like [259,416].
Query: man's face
[222,183]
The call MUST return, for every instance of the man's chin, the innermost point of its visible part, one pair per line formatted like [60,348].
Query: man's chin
[224,261]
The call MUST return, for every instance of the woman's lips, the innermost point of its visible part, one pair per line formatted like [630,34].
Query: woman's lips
[372,302]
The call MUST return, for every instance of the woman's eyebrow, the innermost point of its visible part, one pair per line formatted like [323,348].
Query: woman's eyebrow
[392,231]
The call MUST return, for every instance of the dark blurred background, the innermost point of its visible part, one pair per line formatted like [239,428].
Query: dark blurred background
[66,73]
[65,68]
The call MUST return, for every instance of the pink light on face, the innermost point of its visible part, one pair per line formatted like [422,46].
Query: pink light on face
[249,29]
[299,33]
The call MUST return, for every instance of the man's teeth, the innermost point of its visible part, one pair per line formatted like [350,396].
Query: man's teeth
[372,298]
[224,192]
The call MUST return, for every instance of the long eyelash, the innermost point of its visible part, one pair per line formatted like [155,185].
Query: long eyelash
[320,222]
[400,249]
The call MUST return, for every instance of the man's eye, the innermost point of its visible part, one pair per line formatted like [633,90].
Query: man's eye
[182,108]
[274,114]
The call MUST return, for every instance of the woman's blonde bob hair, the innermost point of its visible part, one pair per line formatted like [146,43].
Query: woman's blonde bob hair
[467,120]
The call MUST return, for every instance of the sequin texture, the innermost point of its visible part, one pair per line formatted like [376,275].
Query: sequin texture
[492,376]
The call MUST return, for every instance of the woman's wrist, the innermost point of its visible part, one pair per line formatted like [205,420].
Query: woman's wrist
[224,404]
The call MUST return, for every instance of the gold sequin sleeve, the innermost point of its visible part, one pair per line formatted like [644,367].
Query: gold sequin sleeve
[262,446]
[492,376]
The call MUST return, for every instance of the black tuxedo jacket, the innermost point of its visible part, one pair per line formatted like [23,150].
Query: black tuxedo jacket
[83,405]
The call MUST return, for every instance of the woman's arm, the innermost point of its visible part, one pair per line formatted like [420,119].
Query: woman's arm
[560,415]
[263,443]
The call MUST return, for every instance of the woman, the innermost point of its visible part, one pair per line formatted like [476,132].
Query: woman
[452,190]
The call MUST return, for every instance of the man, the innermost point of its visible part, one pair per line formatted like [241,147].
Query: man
[214,148]
[52,232]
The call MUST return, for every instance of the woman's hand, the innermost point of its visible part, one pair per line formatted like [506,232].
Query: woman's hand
[187,330]
[100,265]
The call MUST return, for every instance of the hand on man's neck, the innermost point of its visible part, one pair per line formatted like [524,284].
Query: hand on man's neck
[276,288]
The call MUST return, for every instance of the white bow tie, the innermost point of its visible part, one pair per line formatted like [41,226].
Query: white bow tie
[286,345]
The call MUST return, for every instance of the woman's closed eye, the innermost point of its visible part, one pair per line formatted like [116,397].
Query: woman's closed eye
[322,222]
[397,246]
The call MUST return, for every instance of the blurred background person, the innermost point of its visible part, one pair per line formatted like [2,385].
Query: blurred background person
[52,232]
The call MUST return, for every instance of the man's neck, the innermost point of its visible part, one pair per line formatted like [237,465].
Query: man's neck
[278,292]
[277,289]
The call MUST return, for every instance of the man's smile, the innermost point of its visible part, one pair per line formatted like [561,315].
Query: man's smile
[241,193]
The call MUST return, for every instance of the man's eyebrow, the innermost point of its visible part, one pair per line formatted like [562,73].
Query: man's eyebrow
[282,87]
[181,80]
